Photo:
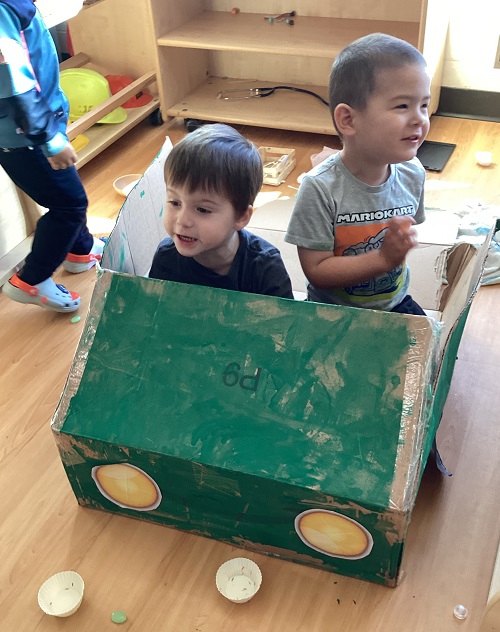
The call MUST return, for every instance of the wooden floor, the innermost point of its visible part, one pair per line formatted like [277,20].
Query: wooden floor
[163,579]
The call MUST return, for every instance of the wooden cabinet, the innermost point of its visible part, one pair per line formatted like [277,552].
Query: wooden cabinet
[114,37]
[203,49]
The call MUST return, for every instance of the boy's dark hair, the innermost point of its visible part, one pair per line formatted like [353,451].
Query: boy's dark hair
[354,72]
[217,158]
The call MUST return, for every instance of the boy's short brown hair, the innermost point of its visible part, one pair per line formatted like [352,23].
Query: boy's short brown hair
[217,158]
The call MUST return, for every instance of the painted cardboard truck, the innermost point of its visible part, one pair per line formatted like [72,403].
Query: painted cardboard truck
[295,429]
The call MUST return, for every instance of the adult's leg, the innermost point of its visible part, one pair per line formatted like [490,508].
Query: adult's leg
[63,228]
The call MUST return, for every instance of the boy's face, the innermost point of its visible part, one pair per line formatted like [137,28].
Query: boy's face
[395,121]
[203,224]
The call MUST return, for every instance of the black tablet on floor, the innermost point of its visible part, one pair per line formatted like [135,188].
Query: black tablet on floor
[434,156]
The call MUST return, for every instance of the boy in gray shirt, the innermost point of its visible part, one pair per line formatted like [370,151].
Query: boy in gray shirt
[354,213]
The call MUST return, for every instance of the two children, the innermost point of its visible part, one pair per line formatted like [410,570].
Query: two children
[213,176]
[354,213]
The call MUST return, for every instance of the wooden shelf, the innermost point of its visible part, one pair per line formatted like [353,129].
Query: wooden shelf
[114,37]
[282,110]
[102,136]
[92,4]
[309,37]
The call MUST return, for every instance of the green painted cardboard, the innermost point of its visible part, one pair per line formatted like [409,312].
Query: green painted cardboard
[247,411]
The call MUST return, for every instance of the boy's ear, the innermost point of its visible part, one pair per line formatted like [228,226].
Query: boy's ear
[344,119]
[243,220]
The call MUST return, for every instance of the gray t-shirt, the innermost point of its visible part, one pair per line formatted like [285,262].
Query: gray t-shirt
[335,211]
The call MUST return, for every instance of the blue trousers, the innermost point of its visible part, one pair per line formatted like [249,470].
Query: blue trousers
[408,306]
[63,228]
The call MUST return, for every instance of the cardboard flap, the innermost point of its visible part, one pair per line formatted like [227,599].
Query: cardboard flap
[428,280]
[139,227]
[466,264]
[457,261]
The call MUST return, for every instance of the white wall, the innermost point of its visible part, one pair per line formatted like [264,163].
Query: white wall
[54,11]
[472,44]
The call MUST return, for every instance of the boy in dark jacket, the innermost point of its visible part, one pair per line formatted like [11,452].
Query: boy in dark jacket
[38,157]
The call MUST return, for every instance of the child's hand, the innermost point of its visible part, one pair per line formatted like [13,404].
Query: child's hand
[326,270]
[64,159]
[400,237]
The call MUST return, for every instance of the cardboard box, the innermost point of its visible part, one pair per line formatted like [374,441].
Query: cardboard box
[278,164]
[295,429]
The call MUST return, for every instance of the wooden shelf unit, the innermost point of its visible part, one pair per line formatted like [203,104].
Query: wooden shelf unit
[115,37]
[309,37]
[280,111]
[202,48]
[102,136]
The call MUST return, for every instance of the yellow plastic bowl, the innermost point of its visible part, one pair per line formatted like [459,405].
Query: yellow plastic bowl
[85,90]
